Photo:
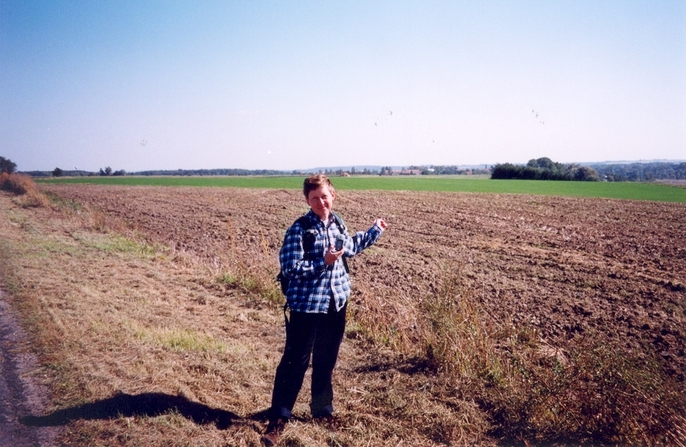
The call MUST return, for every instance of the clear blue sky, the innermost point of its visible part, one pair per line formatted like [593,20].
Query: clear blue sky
[145,84]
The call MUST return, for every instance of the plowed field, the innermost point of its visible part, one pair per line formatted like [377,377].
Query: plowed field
[562,266]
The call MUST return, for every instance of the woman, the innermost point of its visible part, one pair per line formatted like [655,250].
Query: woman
[317,296]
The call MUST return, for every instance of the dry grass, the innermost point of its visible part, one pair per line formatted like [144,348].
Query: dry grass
[587,391]
[152,346]
[132,321]
[146,344]
[25,188]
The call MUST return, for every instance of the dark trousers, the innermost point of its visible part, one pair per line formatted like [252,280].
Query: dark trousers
[319,335]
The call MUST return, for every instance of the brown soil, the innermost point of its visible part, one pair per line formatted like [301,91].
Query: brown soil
[566,266]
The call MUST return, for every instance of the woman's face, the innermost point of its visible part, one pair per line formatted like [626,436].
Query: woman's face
[321,201]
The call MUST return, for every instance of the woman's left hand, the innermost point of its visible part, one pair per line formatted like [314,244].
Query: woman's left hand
[381,223]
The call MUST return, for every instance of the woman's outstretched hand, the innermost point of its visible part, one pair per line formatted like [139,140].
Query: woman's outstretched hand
[381,223]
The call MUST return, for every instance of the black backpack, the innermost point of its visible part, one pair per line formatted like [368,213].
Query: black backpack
[306,223]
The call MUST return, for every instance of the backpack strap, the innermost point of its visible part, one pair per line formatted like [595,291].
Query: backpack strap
[306,223]
[340,223]
[286,313]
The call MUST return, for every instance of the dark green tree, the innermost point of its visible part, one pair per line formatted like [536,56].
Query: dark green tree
[57,172]
[544,169]
[586,174]
[505,171]
[543,162]
[6,165]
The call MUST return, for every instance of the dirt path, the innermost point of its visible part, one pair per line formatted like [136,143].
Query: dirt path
[20,392]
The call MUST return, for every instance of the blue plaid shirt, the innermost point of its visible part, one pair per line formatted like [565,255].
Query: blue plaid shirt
[313,283]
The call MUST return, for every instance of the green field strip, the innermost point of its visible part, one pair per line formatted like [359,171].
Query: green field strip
[610,190]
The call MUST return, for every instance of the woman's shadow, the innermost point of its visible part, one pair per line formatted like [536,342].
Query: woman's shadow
[145,404]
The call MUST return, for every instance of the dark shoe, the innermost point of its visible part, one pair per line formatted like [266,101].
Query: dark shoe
[273,433]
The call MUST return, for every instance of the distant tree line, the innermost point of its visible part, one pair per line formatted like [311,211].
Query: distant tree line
[450,170]
[536,169]
[340,171]
[386,170]
[640,172]
[439,170]
[545,169]
[108,171]
[57,172]
[213,172]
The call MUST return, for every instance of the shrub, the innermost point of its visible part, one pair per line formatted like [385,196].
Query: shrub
[544,169]
[23,185]
[7,165]
[18,184]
